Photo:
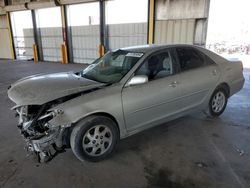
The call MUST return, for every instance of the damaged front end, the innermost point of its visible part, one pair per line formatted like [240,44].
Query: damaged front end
[36,98]
[42,138]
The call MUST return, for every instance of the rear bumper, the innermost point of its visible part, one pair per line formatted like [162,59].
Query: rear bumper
[236,85]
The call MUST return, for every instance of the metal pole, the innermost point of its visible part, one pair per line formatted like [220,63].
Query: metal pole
[67,35]
[151,21]
[37,36]
[64,50]
[102,28]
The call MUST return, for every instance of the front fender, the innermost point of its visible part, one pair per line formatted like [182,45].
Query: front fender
[101,101]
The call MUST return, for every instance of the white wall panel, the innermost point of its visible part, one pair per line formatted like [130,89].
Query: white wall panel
[3,21]
[51,43]
[123,35]
[85,42]
[5,45]
[28,42]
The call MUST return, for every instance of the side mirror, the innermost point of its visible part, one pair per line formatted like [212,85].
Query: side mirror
[137,80]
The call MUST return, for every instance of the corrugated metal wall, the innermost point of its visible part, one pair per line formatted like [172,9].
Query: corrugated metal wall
[200,31]
[5,45]
[174,31]
[85,41]
[51,43]
[122,35]
[181,21]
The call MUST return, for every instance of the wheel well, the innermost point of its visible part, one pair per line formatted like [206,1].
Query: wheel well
[68,130]
[99,114]
[109,116]
[225,86]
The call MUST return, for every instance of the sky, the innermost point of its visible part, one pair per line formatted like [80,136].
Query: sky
[229,20]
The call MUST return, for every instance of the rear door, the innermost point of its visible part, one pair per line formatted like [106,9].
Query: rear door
[155,100]
[198,76]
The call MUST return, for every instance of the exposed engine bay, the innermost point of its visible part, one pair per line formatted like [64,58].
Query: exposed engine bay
[42,138]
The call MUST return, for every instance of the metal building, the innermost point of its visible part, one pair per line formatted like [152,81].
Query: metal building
[80,31]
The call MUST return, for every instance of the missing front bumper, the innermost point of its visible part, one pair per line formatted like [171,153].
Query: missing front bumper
[47,147]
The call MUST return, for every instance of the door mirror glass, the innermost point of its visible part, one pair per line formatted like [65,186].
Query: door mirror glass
[137,80]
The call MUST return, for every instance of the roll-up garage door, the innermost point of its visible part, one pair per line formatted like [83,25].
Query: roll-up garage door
[83,21]
[50,30]
[126,23]
[23,37]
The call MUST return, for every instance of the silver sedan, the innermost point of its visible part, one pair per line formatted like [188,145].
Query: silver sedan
[122,93]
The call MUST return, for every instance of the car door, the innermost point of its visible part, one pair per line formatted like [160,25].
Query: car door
[156,99]
[198,75]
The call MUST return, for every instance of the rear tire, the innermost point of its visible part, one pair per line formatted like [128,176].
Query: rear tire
[94,138]
[217,102]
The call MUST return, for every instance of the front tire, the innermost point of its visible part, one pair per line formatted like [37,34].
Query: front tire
[218,102]
[94,138]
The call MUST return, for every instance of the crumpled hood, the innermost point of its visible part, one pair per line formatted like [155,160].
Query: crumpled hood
[42,88]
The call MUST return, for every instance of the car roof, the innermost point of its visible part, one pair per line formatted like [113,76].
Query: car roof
[154,47]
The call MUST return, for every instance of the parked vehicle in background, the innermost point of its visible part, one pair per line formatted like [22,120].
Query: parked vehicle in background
[122,93]
[227,48]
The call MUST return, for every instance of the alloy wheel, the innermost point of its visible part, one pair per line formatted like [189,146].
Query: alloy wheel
[218,102]
[97,140]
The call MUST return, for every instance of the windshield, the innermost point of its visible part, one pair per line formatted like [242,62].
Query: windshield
[112,67]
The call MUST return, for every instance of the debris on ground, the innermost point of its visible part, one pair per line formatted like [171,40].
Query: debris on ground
[240,151]
[201,164]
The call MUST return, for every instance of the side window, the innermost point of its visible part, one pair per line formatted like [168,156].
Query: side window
[156,66]
[190,58]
